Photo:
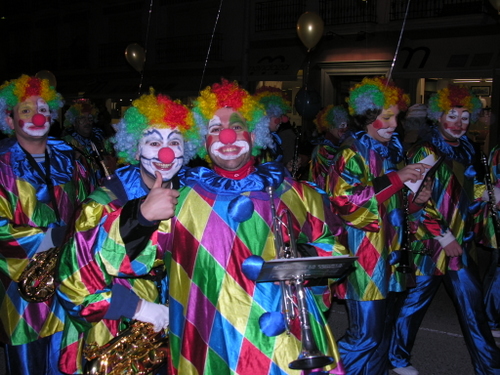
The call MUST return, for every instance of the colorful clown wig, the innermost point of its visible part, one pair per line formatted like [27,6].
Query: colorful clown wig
[453,96]
[158,112]
[274,101]
[18,90]
[79,108]
[376,94]
[229,94]
[331,117]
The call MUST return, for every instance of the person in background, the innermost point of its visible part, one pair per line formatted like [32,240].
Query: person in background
[331,123]
[414,125]
[223,221]
[156,138]
[41,186]
[443,237]
[367,177]
[89,140]
[276,106]
[491,238]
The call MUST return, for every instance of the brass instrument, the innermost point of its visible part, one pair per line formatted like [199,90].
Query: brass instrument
[137,350]
[36,282]
[491,200]
[404,259]
[310,356]
[100,159]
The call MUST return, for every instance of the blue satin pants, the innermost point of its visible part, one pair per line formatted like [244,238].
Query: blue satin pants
[466,294]
[492,292]
[39,357]
[363,348]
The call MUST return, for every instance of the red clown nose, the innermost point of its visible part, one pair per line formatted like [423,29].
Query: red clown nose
[166,155]
[38,120]
[227,136]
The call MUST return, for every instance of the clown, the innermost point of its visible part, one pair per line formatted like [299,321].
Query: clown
[222,218]
[41,185]
[444,238]
[277,106]
[88,140]
[365,186]
[331,122]
[156,137]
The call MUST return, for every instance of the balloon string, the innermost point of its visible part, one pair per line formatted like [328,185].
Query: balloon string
[146,45]
[210,45]
[399,43]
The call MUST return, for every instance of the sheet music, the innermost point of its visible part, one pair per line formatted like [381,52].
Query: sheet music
[429,160]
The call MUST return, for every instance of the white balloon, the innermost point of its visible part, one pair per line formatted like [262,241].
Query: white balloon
[47,74]
[310,29]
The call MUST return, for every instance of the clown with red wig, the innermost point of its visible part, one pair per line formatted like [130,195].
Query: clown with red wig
[223,321]
[109,283]
[444,238]
[41,186]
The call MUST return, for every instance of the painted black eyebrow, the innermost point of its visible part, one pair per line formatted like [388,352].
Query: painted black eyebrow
[156,132]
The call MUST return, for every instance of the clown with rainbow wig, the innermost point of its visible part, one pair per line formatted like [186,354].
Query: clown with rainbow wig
[110,283]
[444,239]
[331,122]
[277,106]
[89,140]
[222,222]
[41,186]
[366,180]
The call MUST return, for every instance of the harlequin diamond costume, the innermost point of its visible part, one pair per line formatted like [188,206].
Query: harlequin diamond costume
[446,220]
[97,289]
[331,122]
[221,220]
[366,193]
[39,195]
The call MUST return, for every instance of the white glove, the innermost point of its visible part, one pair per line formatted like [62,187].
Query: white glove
[153,313]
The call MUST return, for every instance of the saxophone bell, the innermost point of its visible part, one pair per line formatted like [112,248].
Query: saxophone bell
[36,282]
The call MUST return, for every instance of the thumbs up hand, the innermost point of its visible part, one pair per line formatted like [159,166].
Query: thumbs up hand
[160,202]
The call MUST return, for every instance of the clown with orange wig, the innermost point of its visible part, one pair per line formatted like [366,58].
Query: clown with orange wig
[444,239]
[41,186]
[366,180]
[157,136]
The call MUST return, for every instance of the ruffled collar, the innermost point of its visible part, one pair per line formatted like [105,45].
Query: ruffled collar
[392,150]
[268,174]
[463,152]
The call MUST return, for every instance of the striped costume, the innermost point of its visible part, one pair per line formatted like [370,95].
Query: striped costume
[456,195]
[321,158]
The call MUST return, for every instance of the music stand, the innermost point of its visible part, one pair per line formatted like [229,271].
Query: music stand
[305,268]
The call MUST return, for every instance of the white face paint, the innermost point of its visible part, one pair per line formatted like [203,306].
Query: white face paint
[386,133]
[151,143]
[23,118]
[454,124]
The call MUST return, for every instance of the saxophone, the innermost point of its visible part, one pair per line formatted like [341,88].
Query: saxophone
[137,350]
[36,282]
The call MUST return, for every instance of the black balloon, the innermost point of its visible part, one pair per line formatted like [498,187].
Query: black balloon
[307,103]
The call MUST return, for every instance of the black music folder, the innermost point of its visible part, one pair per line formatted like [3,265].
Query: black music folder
[306,268]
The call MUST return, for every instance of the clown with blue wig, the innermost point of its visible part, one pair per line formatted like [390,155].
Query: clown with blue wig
[444,238]
[156,138]
[41,186]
